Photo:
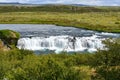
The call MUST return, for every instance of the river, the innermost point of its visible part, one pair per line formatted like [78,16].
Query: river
[45,38]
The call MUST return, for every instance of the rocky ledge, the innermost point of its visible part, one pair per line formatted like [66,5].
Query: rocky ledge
[8,39]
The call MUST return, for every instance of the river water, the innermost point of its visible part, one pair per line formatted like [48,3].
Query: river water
[45,38]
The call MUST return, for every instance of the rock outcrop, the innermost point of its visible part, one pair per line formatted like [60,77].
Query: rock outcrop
[8,39]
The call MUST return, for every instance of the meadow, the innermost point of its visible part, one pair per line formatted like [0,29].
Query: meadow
[94,18]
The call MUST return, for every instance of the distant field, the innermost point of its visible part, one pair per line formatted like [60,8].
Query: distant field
[95,18]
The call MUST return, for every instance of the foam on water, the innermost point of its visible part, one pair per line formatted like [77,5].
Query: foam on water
[61,43]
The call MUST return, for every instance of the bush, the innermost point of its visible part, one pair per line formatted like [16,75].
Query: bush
[25,65]
[107,62]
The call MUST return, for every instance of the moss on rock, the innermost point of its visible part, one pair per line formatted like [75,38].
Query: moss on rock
[9,37]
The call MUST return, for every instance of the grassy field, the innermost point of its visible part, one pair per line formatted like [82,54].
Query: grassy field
[94,18]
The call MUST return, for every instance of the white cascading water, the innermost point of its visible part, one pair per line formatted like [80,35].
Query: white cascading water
[61,43]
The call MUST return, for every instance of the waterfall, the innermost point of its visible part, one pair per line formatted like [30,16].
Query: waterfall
[61,43]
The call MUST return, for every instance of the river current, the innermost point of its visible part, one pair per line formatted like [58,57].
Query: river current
[43,38]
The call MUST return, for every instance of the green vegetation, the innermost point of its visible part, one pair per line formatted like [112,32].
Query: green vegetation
[25,65]
[58,8]
[95,18]
[6,34]
[107,62]
[9,38]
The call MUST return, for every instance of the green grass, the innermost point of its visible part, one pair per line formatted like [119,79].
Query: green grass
[100,21]
[95,18]
[24,65]
[59,8]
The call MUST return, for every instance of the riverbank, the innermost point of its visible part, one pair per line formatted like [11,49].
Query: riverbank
[107,21]
[23,64]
